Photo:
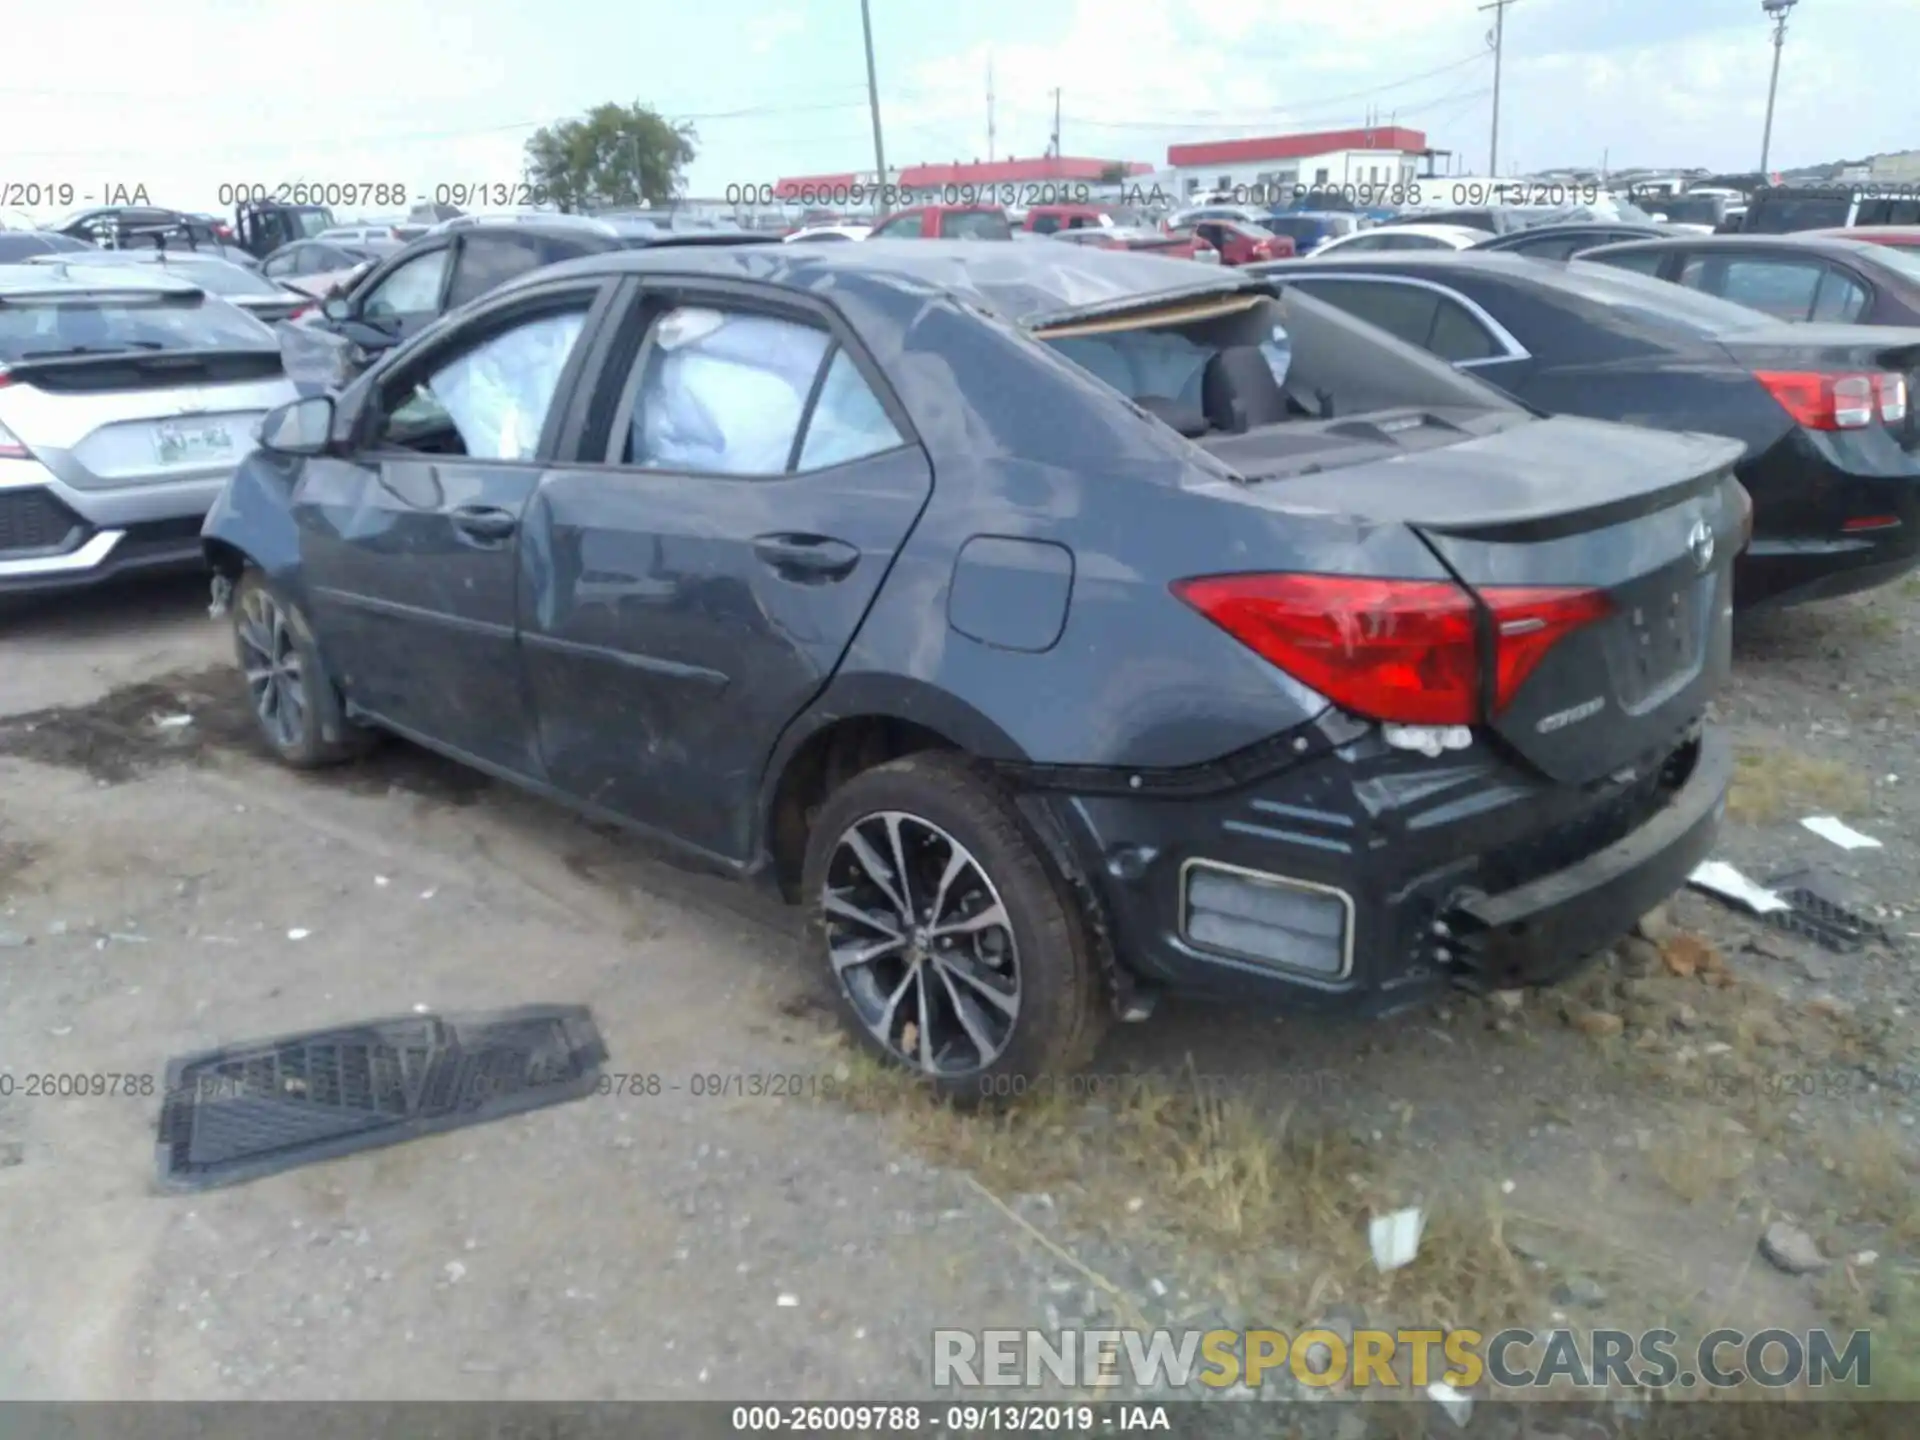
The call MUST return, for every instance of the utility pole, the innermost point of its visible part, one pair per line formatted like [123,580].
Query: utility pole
[1777,9]
[873,104]
[1056,123]
[1499,8]
[989,107]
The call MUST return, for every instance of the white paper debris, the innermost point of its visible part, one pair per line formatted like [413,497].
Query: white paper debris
[172,722]
[1506,1187]
[419,1009]
[380,880]
[1828,827]
[456,1272]
[429,894]
[297,934]
[1729,884]
[787,1302]
[1396,1238]
[1459,1407]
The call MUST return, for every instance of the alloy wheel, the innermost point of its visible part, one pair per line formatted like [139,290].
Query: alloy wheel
[276,680]
[921,944]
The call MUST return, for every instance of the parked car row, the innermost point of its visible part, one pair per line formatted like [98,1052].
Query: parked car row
[1061,624]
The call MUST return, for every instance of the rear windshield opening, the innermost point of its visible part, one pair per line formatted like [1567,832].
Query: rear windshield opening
[1220,374]
[44,329]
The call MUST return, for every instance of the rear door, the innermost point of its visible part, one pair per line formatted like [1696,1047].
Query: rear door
[694,580]
[409,546]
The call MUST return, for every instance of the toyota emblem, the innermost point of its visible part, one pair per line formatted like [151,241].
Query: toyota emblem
[1700,545]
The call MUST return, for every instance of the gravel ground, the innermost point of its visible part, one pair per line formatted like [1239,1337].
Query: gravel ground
[1606,1153]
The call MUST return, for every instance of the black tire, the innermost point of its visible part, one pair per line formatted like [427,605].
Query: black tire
[1060,1002]
[313,731]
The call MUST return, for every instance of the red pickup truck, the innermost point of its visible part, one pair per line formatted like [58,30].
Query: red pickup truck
[945,222]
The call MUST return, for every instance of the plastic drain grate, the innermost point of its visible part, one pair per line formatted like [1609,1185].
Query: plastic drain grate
[251,1110]
[1819,915]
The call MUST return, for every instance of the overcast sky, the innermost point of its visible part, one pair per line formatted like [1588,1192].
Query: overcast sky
[186,95]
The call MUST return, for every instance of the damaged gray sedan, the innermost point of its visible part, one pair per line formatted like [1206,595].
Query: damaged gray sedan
[1061,627]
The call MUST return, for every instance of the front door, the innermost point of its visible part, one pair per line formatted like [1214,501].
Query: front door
[410,546]
[690,595]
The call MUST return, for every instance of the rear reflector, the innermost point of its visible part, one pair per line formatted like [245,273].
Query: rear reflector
[1398,651]
[1892,391]
[1288,924]
[1822,401]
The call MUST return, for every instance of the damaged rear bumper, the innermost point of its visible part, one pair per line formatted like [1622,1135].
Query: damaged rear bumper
[1351,876]
[1536,932]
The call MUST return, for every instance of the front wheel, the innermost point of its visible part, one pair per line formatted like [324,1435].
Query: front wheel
[955,947]
[293,698]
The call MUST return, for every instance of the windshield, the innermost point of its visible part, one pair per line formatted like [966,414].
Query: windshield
[41,327]
[1659,303]
[311,222]
[217,277]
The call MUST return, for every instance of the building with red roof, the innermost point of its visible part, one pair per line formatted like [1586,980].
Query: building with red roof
[1370,161]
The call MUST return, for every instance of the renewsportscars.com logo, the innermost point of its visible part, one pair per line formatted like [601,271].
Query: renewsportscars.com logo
[1394,1359]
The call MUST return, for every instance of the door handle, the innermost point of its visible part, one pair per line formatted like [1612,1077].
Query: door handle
[807,559]
[485,522]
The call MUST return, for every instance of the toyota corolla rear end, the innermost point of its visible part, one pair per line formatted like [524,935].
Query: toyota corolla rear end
[1487,641]
[1509,763]
[125,403]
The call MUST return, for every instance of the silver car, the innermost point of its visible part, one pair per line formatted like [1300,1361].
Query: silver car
[255,293]
[127,397]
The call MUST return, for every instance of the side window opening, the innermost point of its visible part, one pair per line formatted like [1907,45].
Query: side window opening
[489,402]
[722,393]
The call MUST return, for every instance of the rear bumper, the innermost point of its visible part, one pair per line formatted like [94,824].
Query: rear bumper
[1534,933]
[48,545]
[1805,492]
[1465,869]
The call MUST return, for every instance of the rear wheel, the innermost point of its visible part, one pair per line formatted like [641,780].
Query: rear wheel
[294,700]
[954,946]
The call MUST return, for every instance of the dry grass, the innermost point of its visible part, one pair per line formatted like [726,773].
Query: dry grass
[1702,1155]
[1277,1208]
[1770,783]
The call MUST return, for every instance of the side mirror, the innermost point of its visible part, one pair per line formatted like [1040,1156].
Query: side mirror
[300,427]
[336,308]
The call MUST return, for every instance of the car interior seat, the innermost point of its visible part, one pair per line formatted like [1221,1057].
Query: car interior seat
[1239,392]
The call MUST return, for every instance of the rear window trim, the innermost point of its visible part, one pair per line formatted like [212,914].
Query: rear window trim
[1511,349]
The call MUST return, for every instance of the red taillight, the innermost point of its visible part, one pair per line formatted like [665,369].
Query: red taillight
[303,310]
[1405,651]
[1529,620]
[1870,522]
[1822,401]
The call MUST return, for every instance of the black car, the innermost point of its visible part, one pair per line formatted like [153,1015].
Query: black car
[1784,209]
[19,245]
[1791,277]
[1563,242]
[1832,446]
[876,570]
[125,227]
[418,283]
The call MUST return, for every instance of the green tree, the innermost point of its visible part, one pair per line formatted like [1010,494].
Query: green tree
[1113,174]
[614,155]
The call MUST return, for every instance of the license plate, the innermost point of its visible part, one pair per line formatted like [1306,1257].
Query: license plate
[1666,632]
[176,443]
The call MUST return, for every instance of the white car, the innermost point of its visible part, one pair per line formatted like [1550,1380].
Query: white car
[1184,219]
[828,232]
[130,395]
[1403,237]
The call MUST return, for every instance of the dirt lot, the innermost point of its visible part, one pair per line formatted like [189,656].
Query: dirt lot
[1605,1154]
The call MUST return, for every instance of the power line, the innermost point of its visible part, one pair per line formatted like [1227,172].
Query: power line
[1416,108]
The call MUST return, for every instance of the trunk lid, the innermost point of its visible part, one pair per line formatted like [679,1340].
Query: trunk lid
[1650,520]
